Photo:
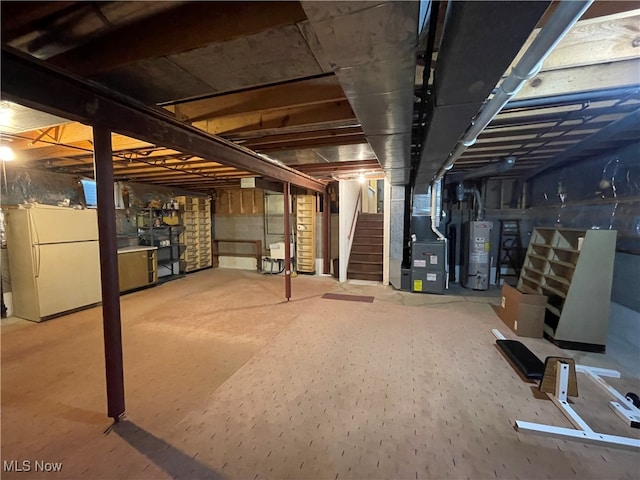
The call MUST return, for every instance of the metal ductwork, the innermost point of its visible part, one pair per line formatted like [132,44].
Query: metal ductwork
[479,42]
[462,191]
[372,48]
[563,18]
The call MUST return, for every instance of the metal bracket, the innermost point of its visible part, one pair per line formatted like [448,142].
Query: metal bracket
[582,432]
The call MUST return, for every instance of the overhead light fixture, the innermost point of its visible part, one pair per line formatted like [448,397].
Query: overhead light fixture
[6,114]
[361,177]
[6,153]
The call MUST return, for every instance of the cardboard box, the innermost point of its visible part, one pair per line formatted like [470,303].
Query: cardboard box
[523,312]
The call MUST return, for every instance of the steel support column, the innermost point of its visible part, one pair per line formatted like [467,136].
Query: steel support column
[287,240]
[103,165]
[326,233]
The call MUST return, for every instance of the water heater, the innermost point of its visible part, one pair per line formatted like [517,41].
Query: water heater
[475,260]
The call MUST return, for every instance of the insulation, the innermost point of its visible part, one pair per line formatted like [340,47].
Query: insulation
[28,186]
[603,192]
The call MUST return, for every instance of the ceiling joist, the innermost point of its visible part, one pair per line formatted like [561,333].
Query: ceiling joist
[38,85]
[189,26]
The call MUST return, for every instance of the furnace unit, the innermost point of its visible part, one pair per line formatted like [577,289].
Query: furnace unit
[475,260]
[428,274]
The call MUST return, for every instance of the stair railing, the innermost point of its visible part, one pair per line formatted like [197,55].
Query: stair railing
[355,213]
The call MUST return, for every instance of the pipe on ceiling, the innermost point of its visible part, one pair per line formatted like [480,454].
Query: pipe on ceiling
[507,163]
[435,223]
[564,17]
[472,58]
[462,191]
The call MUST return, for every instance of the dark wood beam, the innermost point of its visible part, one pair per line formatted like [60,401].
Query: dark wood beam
[190,26]
[245,136]
[313,143]
[297,93]
[312,168]
[286,117]
[192,181]
[21,18]
[152,169]
[290,138]
[179,175]
[37,85]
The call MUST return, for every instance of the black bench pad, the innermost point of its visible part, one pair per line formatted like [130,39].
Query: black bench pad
[523,358]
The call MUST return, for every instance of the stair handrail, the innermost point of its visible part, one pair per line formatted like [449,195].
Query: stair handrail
[355,214]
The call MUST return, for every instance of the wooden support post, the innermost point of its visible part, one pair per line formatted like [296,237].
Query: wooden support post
[287,240]
[103,165]
[326,233]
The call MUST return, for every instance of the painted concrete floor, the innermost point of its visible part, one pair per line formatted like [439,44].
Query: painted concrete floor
[225,380]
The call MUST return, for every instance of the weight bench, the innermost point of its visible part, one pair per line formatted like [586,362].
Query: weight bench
[524,359]
[558,380]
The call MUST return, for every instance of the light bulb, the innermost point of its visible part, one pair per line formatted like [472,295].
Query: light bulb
[6,153]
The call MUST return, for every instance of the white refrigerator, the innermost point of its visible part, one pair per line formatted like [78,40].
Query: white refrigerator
[54,260]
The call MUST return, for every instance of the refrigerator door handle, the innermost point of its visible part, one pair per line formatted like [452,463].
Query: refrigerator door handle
[37,259]
[34,227]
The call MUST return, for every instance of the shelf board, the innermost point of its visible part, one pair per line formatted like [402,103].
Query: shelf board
[554,310]
[565,249]
[555,278]
[167,262]
[539,257]
[544,245]
[563,263]
[559,293]
[531,280]
[534,270]
[548,330]
[527,289]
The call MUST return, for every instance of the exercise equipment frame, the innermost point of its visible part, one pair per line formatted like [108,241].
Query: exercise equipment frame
[582,431]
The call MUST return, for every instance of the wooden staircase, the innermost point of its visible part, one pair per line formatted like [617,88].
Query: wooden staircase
[365,261]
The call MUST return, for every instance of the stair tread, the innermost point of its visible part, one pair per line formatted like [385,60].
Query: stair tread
[374,277]
[366,259]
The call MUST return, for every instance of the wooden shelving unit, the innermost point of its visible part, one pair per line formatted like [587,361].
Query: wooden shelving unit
[196,215]
[574,269]
[306,233]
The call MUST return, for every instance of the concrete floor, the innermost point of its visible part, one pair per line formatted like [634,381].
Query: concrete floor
[225,380]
